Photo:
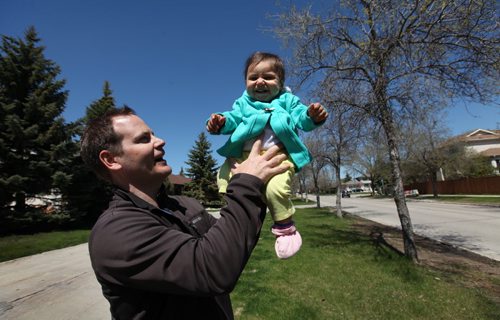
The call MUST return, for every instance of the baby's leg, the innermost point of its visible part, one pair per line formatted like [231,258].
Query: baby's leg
[223,176]
[278,194]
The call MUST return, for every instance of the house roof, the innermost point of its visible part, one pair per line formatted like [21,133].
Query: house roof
[178,179]
[480,135]
[492,152]
[484,138]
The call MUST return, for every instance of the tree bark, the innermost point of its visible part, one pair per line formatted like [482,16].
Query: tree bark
[339,193]
[318,204]
[410,248]
[20,206]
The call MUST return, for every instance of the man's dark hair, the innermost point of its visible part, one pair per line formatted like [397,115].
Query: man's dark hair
[278,65]
[100,135]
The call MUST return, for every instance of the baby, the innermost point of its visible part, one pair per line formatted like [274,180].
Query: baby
[266,109]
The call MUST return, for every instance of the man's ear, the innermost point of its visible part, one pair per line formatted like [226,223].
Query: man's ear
[109,160]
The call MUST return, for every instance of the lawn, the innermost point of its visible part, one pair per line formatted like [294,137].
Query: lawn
[338,274]
[12,247]
[341,274]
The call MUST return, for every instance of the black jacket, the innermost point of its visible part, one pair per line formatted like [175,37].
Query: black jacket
[177,263]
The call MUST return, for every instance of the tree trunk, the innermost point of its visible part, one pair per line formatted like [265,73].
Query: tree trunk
[20,206]
[434,185]
[339,193]
[399,197]
[316,189]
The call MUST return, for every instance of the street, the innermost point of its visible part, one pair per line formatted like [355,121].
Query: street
[472,227]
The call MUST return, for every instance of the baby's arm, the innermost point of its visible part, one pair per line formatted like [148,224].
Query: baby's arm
[215,123]
[317,112]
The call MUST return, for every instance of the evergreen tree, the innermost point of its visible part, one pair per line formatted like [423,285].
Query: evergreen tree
[99,107]
[347,177]
[87,196]
[33,135]
[202,169]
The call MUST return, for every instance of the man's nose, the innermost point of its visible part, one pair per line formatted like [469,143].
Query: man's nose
[159,142]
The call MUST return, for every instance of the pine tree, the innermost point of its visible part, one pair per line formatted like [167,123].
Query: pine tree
[33,134]
[202,169]
[99,107]
[87,196]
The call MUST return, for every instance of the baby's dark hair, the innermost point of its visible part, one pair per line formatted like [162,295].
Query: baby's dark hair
[279,66]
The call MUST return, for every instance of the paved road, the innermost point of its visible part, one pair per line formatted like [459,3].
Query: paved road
[472,227]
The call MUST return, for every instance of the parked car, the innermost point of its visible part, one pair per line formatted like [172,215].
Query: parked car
[346,194]
[411,193]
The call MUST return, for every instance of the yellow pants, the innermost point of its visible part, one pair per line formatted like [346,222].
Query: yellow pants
[278,189]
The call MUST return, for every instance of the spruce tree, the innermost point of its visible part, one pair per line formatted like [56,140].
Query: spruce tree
[87,196]
[100,106]
[202,169]
[33,134]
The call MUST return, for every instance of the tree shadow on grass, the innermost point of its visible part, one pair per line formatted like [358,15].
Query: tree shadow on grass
[348,230]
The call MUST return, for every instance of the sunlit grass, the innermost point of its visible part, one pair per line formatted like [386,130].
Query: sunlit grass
[338,274]
[12,247]
[341,274]
[299,201]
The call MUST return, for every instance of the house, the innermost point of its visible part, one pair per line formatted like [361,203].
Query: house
[178,181]
[357,186]
[484,142]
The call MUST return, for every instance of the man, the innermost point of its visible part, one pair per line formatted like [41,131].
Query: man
[165,257]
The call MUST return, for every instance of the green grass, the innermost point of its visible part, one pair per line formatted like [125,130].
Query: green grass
[12,247]
[299,201]
[341,274]
[338,274]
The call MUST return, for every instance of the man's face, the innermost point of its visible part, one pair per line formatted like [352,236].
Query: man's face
[142,154]
[262,82]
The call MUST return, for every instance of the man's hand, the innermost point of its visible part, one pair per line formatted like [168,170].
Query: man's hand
[215,123]
[317,112]
[263,166]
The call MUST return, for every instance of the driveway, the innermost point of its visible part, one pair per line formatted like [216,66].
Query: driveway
[471,227]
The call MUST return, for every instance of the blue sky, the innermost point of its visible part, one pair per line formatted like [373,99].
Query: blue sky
[174,62]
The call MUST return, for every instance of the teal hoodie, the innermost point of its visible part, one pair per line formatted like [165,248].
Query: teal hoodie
[285,115]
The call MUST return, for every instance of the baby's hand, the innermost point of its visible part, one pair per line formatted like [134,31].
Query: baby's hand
[215,123]
[317,112]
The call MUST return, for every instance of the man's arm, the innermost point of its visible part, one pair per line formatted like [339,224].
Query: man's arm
[134,250]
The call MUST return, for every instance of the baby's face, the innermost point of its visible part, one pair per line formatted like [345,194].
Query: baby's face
[263,84]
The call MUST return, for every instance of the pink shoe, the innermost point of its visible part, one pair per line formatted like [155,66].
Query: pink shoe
[288,240]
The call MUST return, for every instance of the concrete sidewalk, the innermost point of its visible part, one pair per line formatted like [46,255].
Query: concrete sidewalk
[58,284]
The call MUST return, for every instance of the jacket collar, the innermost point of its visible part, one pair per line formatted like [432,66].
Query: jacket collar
[275,104]
[138,202]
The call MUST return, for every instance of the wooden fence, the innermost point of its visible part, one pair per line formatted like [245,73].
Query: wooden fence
[482,185]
